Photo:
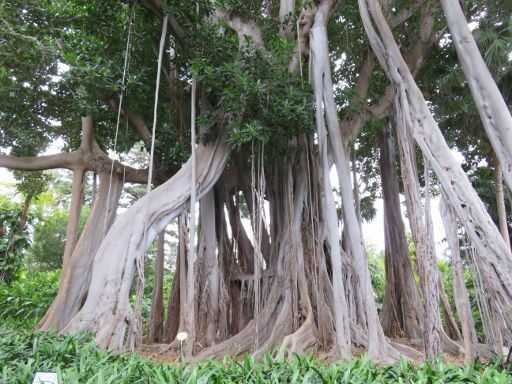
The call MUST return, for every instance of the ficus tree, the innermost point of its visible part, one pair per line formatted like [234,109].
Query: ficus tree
[257,102]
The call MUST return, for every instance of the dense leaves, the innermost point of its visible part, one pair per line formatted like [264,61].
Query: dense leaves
[255,91]
[14,239]
[28,298]
[49,239]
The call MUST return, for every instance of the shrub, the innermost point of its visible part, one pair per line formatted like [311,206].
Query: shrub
[28,297]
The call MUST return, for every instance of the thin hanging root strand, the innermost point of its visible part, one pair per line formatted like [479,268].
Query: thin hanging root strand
[136,334]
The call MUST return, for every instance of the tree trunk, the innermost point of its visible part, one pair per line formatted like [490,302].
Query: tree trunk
[378,348]
[76,275]
[357,194]
[77,198]
[489,101]
[450,325]
[318,40]
[401,314]
[208,275]
[425,258]
[495,257]
[107,310]
[189,318]
[460,292]
[500,200]
[24,213]
[176,301]
[156,316]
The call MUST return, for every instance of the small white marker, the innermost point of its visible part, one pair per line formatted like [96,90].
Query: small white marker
[45,378]
[181,337]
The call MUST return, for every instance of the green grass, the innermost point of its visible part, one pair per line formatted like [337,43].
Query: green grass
[77,360]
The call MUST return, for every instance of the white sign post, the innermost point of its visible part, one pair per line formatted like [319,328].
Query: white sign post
[45,378]
[181,337]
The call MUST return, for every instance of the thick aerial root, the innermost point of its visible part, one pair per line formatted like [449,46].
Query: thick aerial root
[450,346]
[302,340]
[244,340]
[406,351]
[113,268]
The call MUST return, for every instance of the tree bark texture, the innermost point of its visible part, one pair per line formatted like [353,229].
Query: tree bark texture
[106,309]
[401,314]
[156,316]
[460,291]
[493,110]
[495,257]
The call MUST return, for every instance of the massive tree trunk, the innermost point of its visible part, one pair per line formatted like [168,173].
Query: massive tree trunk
[210,281]
[76,273]
[378,347]
[489,101]
[495,257]
[401,314]
[77,260]
[107,310]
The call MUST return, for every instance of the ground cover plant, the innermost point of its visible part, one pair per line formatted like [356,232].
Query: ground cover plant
[77,359]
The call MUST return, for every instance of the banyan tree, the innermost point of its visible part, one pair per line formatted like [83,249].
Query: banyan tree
[253,110]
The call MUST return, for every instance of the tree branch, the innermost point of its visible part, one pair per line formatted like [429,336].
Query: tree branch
[157,8]
[98,161]
[414,61]
[134,120]
[87,133]
[243,28]
[40,163]
[403,16]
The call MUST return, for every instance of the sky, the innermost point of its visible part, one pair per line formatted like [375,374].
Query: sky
[373,232]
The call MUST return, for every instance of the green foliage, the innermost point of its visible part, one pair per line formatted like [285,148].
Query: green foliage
[76,359]
[377,273]
[49,239]
[31,183]
[262,100]
[484,183]
[149,275]
[28,298]
[14,240]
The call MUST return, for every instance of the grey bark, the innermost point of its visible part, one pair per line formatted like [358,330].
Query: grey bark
[378,347]
[500,200]
[495,257]
[107,310]
[75,277]
[401,314]
[156,316]
[489,101]
[460,291]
